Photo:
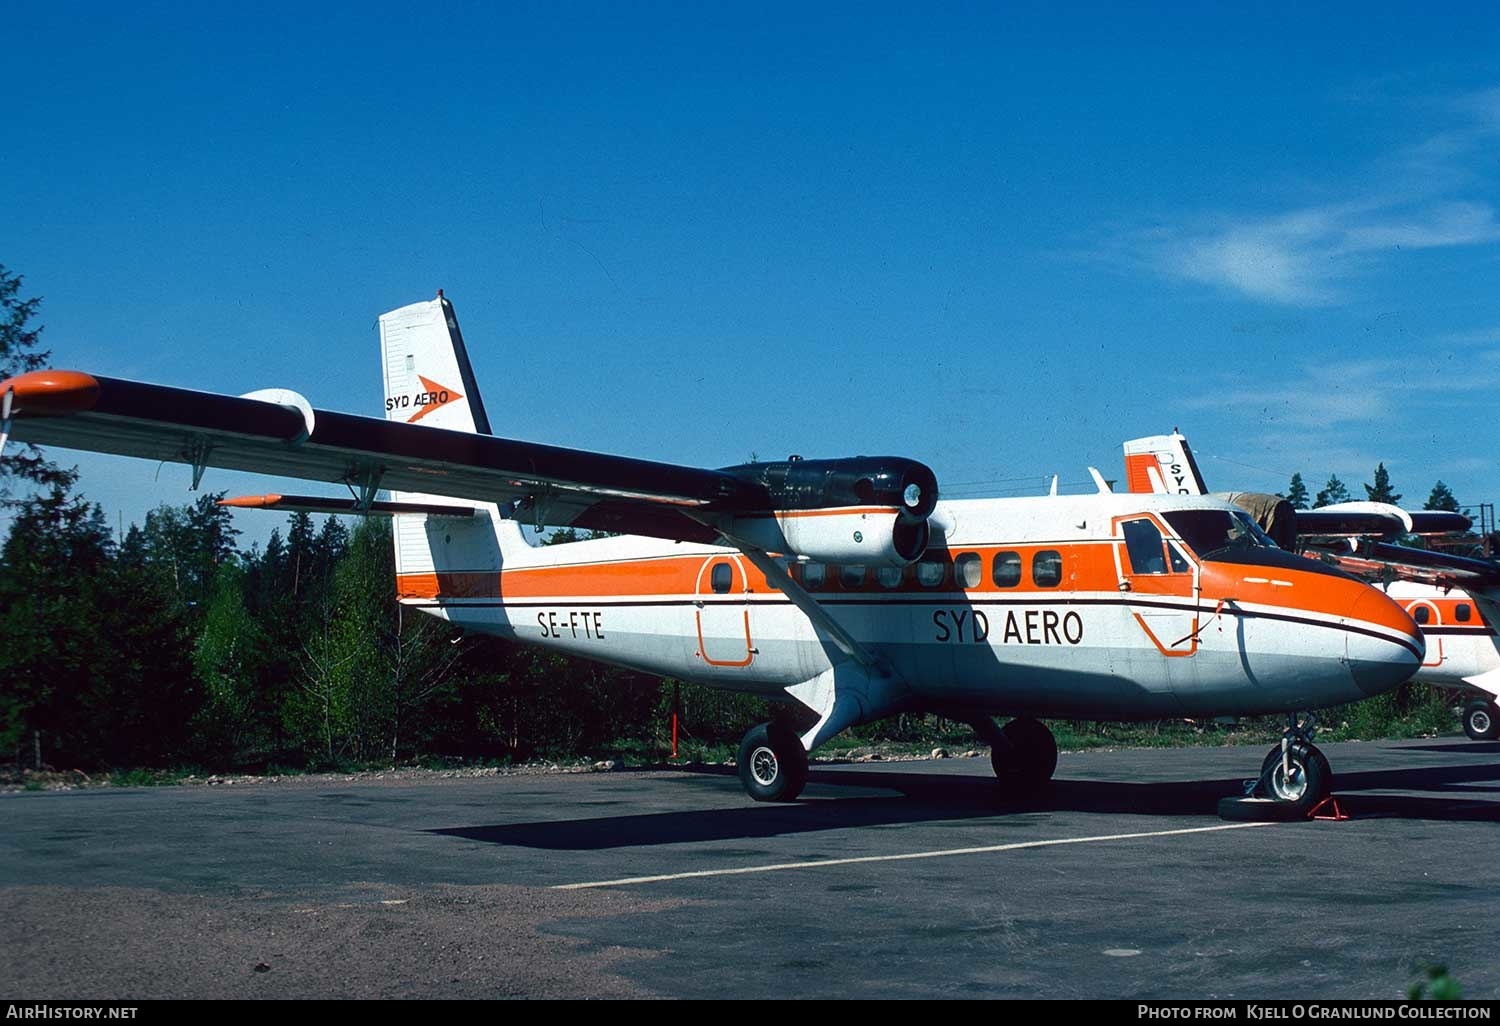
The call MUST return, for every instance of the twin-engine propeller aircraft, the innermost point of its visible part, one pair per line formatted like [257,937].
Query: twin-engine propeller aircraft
[1454,599]
[843,584]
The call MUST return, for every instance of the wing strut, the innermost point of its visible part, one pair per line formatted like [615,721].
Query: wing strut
[846,642]
[5,402]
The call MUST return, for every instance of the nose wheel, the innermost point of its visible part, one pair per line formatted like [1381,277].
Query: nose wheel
[1294,780]
[773,763]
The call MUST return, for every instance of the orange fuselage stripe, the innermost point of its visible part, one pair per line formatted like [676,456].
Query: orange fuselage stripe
[1087,567]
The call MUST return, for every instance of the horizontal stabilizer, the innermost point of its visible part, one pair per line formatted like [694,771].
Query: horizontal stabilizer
[319,504]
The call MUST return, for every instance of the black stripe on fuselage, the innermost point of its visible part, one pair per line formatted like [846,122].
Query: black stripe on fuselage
[1253,614]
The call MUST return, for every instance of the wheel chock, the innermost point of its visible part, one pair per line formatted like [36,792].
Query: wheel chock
[1330,810]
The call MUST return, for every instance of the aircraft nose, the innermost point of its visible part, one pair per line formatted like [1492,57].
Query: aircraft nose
[1389,649]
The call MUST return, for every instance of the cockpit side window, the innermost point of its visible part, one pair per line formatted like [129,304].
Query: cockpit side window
[1143,545]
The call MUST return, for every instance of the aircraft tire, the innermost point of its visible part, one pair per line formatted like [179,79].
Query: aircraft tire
[1286,799]
[772,763]
[1482,720]
[1259,810]
[1028,758]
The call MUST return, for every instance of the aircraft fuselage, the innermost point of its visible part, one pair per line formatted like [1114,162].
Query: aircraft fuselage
[1043,607]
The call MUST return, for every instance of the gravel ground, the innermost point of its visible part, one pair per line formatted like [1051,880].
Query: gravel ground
[121,943]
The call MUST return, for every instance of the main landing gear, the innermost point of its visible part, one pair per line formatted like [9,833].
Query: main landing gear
[773,763]
[1294,780]
[1482,720]
[1023,753]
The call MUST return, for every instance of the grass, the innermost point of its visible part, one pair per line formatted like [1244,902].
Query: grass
[150,777]
[1412,710]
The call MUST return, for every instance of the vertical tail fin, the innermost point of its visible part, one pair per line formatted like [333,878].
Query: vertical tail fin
[1162,464]
[429,381]
[428,378]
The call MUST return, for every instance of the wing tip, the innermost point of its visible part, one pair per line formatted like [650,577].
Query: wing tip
[252,501]
[52,392]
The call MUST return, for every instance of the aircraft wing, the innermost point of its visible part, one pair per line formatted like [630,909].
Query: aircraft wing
[1441,568]
[278,432]
[1375,519]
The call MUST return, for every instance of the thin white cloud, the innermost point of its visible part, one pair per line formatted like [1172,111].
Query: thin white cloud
[1311,255]
[1336,393]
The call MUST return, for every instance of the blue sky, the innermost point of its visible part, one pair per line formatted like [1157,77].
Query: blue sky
[998,239]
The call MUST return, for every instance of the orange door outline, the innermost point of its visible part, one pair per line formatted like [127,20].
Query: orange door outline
[1168,583]
[1437,621]
[738,585]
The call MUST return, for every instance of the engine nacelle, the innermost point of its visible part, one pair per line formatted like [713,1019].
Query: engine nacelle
[852,535]
[864,510]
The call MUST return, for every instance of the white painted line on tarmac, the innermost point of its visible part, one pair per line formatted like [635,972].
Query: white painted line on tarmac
[907,856]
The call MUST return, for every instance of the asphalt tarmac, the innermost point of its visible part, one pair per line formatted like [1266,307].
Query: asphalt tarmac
[887,880]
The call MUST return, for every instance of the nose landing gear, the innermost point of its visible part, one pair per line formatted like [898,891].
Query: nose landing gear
[1294,780]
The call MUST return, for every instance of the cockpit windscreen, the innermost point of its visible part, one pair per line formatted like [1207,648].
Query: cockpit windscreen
[1208,531]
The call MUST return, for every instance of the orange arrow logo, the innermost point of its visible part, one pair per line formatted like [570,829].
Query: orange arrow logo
[432,400]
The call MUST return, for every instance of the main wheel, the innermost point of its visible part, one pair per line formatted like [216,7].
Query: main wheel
[1027,756]
[773,763]
[1482,720]
[1309,781]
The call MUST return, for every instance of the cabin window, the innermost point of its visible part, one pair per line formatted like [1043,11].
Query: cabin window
[721,577]
[1421,614]
[1462,612]
[813,576]
[967,570]
[889,576]
[1046,568]
[1143,544]
[1005,571]
[930,573]
[852,577]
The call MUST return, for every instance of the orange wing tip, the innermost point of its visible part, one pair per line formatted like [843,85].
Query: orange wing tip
[252,501]
[51,392]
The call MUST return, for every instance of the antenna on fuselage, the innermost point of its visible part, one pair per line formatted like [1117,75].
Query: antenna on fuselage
[1099,482]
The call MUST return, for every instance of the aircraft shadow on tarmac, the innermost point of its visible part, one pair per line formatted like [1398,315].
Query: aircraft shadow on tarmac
[1432,793]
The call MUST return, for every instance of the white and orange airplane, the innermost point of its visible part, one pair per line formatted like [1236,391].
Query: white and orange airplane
[1454,599]
[842,584]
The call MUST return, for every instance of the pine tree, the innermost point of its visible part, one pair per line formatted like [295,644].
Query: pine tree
[91,651]
[19,354]
[1381,490]
[1333,492]
[1441,499]
[1296,493]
